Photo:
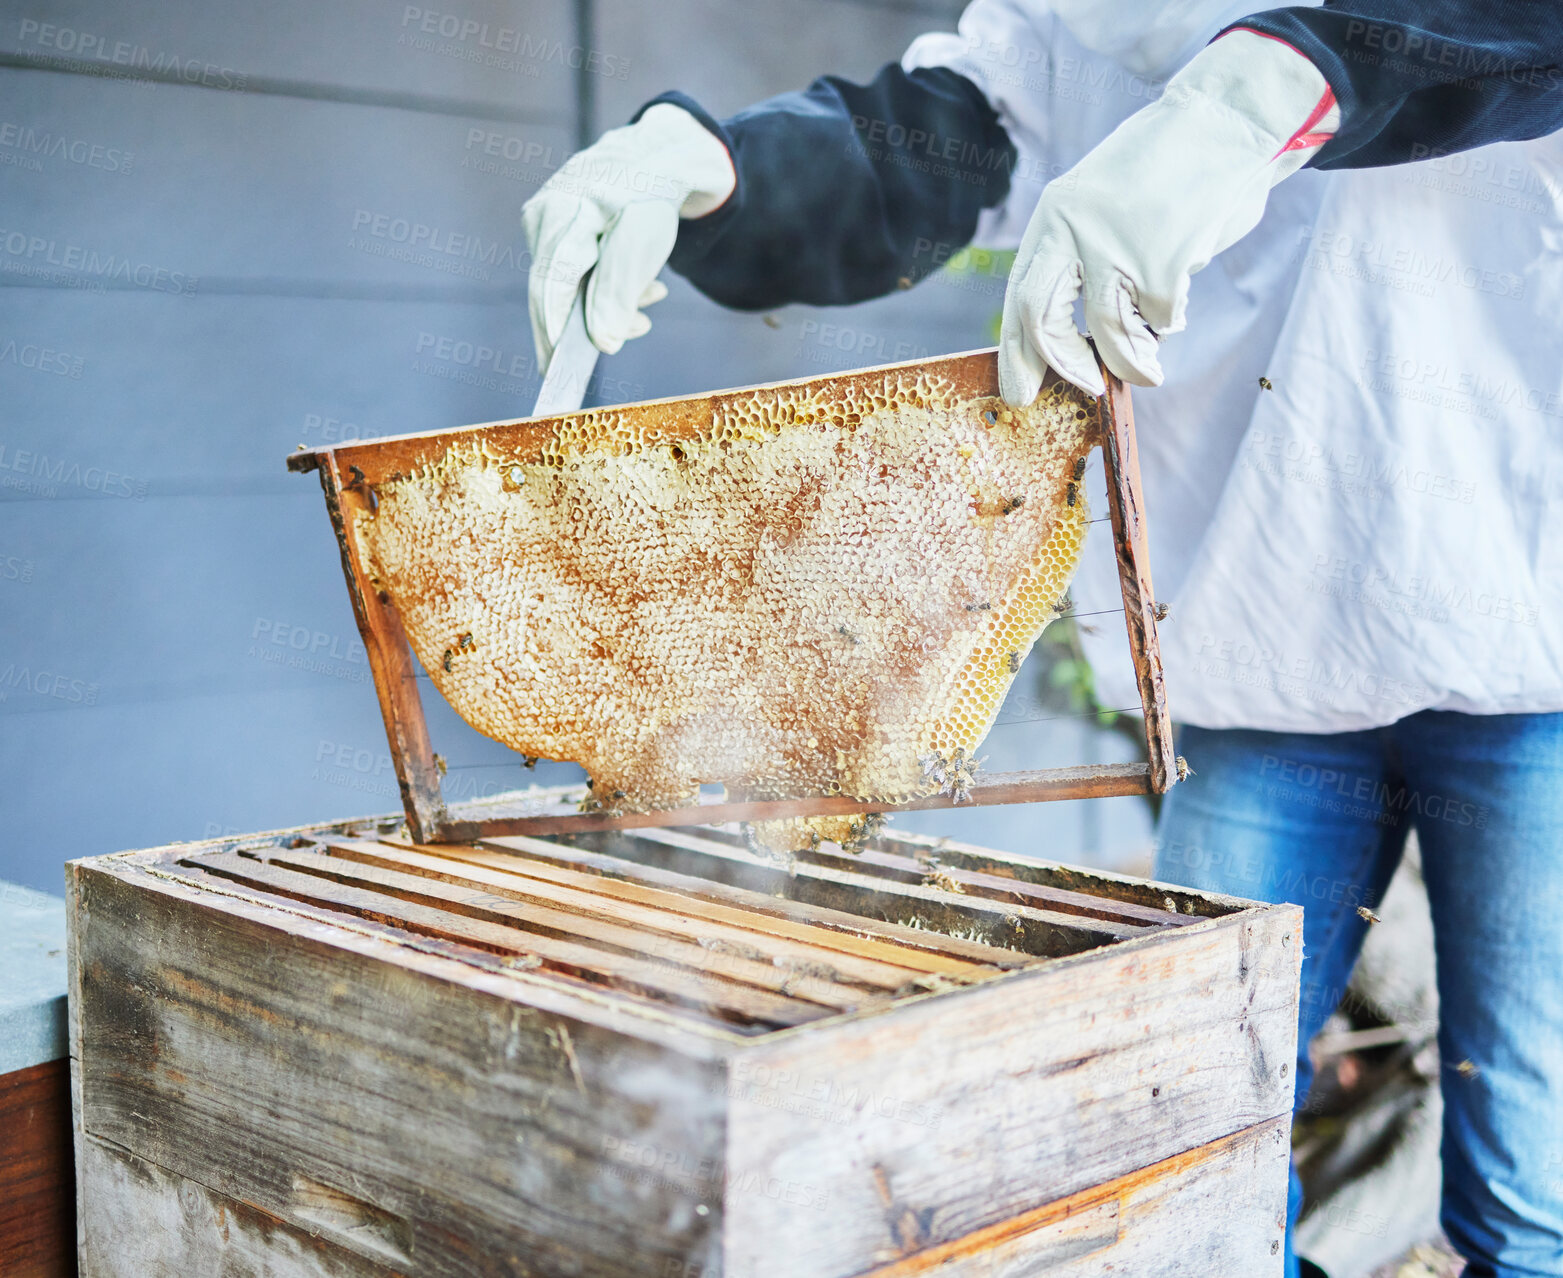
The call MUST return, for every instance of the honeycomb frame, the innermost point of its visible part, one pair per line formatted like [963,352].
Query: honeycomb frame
[361,478]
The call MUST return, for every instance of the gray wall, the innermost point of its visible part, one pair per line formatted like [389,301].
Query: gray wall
[200,206]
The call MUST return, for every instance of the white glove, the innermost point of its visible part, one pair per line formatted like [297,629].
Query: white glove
[615,207]
[1166,191]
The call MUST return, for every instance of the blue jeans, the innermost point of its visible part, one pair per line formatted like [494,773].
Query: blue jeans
[1321,820]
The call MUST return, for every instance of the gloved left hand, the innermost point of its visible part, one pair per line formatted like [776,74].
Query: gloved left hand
[1167,190]
[614,209]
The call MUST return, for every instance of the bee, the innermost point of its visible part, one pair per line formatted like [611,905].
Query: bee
[1367,915]
[463,642]
[1071,494]
[1265,384]
[1184,771]
[357,480]
[984,606]
[529,761]
[1012,504]
[771,321]
[1467,1069]
[447,661]
[860,830]
[1161,611]
[942,880]
[439,764]
[1079,468]
[1014,663]
[850,635]
[954,775]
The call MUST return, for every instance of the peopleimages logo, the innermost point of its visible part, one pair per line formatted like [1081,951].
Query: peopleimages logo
[93,155]
[41,475]
[1399,266]
[87,48]
[34,254]
[421,244]
[504,47]
[46,683]
[41,359]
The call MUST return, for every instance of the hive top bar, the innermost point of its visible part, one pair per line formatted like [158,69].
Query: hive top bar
[32,991]
[684,927]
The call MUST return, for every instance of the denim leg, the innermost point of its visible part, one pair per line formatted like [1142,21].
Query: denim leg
[1486,793]
[1289,817]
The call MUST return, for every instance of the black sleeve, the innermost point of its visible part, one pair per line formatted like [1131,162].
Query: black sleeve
[846,191]
[1421,78]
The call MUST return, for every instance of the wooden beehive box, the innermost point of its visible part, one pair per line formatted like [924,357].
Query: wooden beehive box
[331,1052]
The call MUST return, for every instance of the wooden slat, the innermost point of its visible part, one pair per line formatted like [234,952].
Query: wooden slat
[147,1222]
[846,934]
[570,958]
[1133,1223]
[953,954]
[628,902]
[1099,884]
[1126,505]
[1045,932]
[390,661]
[1091,781]
[973,374]
[505,905]
[995,887]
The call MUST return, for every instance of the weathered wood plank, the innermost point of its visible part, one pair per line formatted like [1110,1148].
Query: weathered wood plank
[1090,1064]
[706,992]
[37,1193]
[293,1066]
[1211,1210]
[655,911]
[147,1222]
[854,933]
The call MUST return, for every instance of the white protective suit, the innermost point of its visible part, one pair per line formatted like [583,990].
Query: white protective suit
[1371,537]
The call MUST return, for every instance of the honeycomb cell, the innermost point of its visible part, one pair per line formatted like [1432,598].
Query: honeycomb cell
[812,593]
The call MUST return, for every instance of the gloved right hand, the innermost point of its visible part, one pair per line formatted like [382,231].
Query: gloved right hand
[613,209]
[1169,188]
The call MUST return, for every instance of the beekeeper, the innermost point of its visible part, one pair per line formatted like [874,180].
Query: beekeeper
[1350,458]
